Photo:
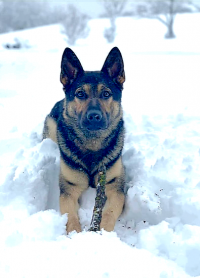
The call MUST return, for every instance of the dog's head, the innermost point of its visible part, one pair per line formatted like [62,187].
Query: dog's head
[93,99]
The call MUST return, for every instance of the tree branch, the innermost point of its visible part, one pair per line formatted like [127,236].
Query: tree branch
[162,20]
[99,200]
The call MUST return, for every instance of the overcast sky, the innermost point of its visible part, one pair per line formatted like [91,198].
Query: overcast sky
[92,7]
[95,8]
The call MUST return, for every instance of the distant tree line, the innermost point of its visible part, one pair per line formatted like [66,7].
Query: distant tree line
[163,10]
[23,14]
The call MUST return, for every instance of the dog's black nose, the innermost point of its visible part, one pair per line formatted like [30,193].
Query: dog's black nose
[94,116]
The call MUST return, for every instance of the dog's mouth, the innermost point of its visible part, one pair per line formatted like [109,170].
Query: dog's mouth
[93,129]
[93,134]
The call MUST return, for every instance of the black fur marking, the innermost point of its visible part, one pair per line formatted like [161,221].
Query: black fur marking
[70,183]
[90,159]
[63,186]
[91,181]
[71,163]
[57,110]
[62,189]
[111,181]
[94,78]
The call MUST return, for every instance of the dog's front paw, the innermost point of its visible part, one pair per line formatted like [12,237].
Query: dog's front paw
[73,225]
[107,222]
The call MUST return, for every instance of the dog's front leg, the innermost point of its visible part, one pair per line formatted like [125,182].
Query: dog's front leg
[69,195]
[113,206]
[72,184]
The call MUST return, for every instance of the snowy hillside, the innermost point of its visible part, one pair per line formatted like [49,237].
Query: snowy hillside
[158,234]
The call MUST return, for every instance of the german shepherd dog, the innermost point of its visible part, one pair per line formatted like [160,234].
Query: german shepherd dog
[88,127]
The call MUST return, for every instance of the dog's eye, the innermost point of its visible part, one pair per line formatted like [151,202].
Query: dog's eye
[106,94]
[81,95]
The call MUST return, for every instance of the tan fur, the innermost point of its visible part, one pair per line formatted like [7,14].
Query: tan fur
[80,106]
[69,204]
[115,111]
[121,78]
[64,80]
[109,106]
[73,176]
[113,207]
[64,109]
[115,200]
[50,129]
[69,201]
[94,144]
[87,88]
[101,87]
[116,170]
[70,109]
[74,183]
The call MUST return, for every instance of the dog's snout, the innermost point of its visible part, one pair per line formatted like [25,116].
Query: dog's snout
[94,120]
[94,116]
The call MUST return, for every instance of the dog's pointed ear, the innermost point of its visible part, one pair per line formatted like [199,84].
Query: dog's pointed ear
[70,67]
[114,67]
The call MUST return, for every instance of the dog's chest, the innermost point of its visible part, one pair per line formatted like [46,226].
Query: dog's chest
[92,160]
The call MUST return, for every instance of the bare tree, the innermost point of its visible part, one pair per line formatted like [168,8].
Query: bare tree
[163,10]
[113,9]
[195,4]
[75,24]
[23,14]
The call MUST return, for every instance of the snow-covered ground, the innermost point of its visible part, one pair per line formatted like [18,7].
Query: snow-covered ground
[158,234]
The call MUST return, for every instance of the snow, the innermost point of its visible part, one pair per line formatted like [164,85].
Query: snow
[158,234]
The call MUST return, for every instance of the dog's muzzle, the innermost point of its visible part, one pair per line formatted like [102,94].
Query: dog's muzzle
[94,120]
